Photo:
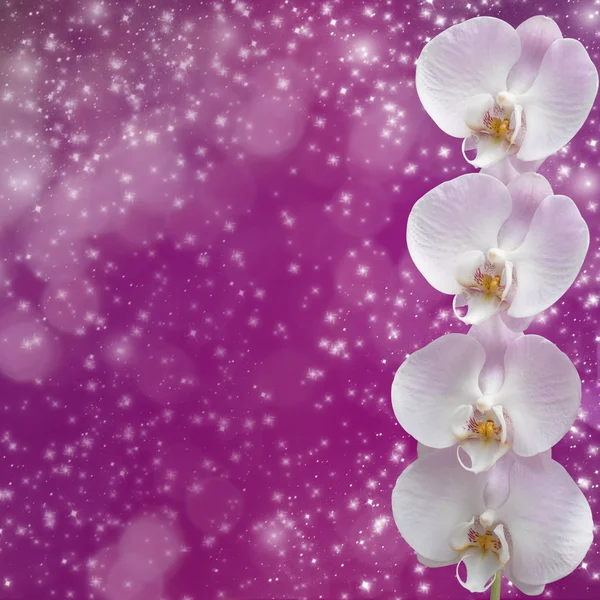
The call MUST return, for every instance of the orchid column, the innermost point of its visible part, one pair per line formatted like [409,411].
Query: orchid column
[487,407]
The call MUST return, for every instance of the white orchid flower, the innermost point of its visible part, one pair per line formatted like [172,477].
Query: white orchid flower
[487,392]
[526,517]
[526,91]
[515,247]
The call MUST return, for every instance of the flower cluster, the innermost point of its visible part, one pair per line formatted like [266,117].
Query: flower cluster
[487,407]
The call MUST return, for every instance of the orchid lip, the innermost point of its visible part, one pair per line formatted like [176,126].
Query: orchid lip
[479,546]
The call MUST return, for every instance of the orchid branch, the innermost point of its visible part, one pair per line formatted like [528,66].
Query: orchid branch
[487,407]
[495,591]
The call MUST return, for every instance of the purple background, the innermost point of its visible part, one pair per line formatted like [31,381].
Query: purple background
[205,293]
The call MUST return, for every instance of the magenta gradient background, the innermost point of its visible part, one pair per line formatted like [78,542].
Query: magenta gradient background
[205,292]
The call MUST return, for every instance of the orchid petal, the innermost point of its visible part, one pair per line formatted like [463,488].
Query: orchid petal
[482,567]
[516,125]
[499,418]
[504,170]
[431,497]
[459,536]
[457,216]
[475,109]
[504,555]
[517,325]
[549,520]
[465,266]
[541,457]
[489,149]
[432,382]
[497,488]
[494,336]
[423,450]
[480,306]
[506,280]
[483,454]
[560,99]
[527,192]
[460,420]
[434,564]
[541,393]
[525,166]
[467,59]
[550,257]
[536,35]
[527,589]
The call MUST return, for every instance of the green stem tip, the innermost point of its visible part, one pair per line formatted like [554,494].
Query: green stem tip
[495,593]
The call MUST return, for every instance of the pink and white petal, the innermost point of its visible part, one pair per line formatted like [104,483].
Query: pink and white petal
[486,150]
[549,259]
[541,393]
[432,382]
[434,564]
[475,110]
[500,420]
[536,35]
[481,454]
[549,520]
[527,192]
[497,487]
[431,497]
[458,216]
[423,450]
[516,325]
[504,554]
[482,567]
[560,99]
[506,281]
[495,337]
[535,462]
[480,306]
[459,537]
[459,423]
[467,59]
[525,166]
[516,125]
[504,170]
[527,589]
[542,456]
[466,265]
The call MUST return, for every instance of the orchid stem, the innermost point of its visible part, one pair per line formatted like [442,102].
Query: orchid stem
[495,593]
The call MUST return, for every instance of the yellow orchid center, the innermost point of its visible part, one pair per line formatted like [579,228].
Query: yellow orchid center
[498,127]
[487,280]
[479,427]
[486,540]
[491,284]
[487,429]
